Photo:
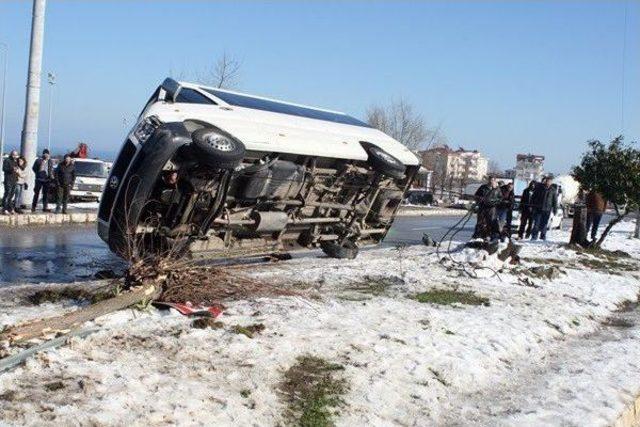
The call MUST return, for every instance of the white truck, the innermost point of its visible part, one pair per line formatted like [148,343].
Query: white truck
[215,173]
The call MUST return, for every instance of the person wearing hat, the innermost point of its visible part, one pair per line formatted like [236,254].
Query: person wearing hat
[43,168]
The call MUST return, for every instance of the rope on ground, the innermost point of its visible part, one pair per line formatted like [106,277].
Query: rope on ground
[454,230]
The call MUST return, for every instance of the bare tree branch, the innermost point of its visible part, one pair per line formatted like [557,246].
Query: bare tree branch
[224,74]
[402,123]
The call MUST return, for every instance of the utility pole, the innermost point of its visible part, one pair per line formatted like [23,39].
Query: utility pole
[29,142]
[5,47]
[51,79]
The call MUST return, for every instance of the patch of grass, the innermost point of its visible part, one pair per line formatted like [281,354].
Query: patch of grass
[374,285]
[544,260]
[206,322]
[54,385]
[67,293]
[603,253]
[618,322]
[609,265]
[313,390]
[8,395]
[449,297]
[550,272]
[55,295]
[250,330]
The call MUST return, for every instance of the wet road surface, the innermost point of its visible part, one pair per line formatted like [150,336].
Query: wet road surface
[53,254]
[70,253]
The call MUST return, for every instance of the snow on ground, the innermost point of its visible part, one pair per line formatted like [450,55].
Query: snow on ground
[538,354]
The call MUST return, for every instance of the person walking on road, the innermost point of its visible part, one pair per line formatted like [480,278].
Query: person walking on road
[487,198]
[9,168]
[596,205]
[43,168]
[21,184]
[65,177]
[545,202]
[526,211]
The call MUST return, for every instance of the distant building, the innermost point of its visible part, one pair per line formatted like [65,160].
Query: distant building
[510,173]
[454,167]
[529,167]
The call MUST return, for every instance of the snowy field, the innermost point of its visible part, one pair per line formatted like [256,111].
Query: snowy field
[563,350]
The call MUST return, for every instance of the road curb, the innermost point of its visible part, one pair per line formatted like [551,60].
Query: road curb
[630,417]
[47,219]
[422,211]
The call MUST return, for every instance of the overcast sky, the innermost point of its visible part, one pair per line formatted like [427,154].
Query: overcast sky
[501,77]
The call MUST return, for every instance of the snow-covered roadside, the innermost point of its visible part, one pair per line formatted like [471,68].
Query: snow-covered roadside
[538,354]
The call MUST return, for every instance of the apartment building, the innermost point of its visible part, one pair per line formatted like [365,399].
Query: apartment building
[455,165]
[529,167]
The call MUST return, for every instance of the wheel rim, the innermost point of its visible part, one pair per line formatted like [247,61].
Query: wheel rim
[220,143]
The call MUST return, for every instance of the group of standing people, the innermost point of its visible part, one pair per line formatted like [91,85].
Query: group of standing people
[14,169]
[495,202]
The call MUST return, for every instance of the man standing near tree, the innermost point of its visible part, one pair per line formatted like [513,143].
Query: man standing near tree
[596,205]
[545,202]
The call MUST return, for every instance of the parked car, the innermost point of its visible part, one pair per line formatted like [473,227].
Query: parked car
[555,221]
[418,196]
[211,172]
[91,178]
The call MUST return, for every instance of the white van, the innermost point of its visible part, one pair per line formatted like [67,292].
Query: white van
[91,178]
[211,171]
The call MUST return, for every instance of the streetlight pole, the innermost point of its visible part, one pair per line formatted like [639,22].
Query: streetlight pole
[29,142]
[4,91]
[51,79]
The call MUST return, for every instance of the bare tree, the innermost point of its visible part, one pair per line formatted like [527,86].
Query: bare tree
[401,122]
[224,74]
[435,137]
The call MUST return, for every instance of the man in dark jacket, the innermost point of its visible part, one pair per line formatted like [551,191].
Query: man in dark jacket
[65,178]
[505,209]
[596,205]
[545,202]
[10,170]
[43,168]
[488,197]
[526,211]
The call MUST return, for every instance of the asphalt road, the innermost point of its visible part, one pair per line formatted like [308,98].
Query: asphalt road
[65,254]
